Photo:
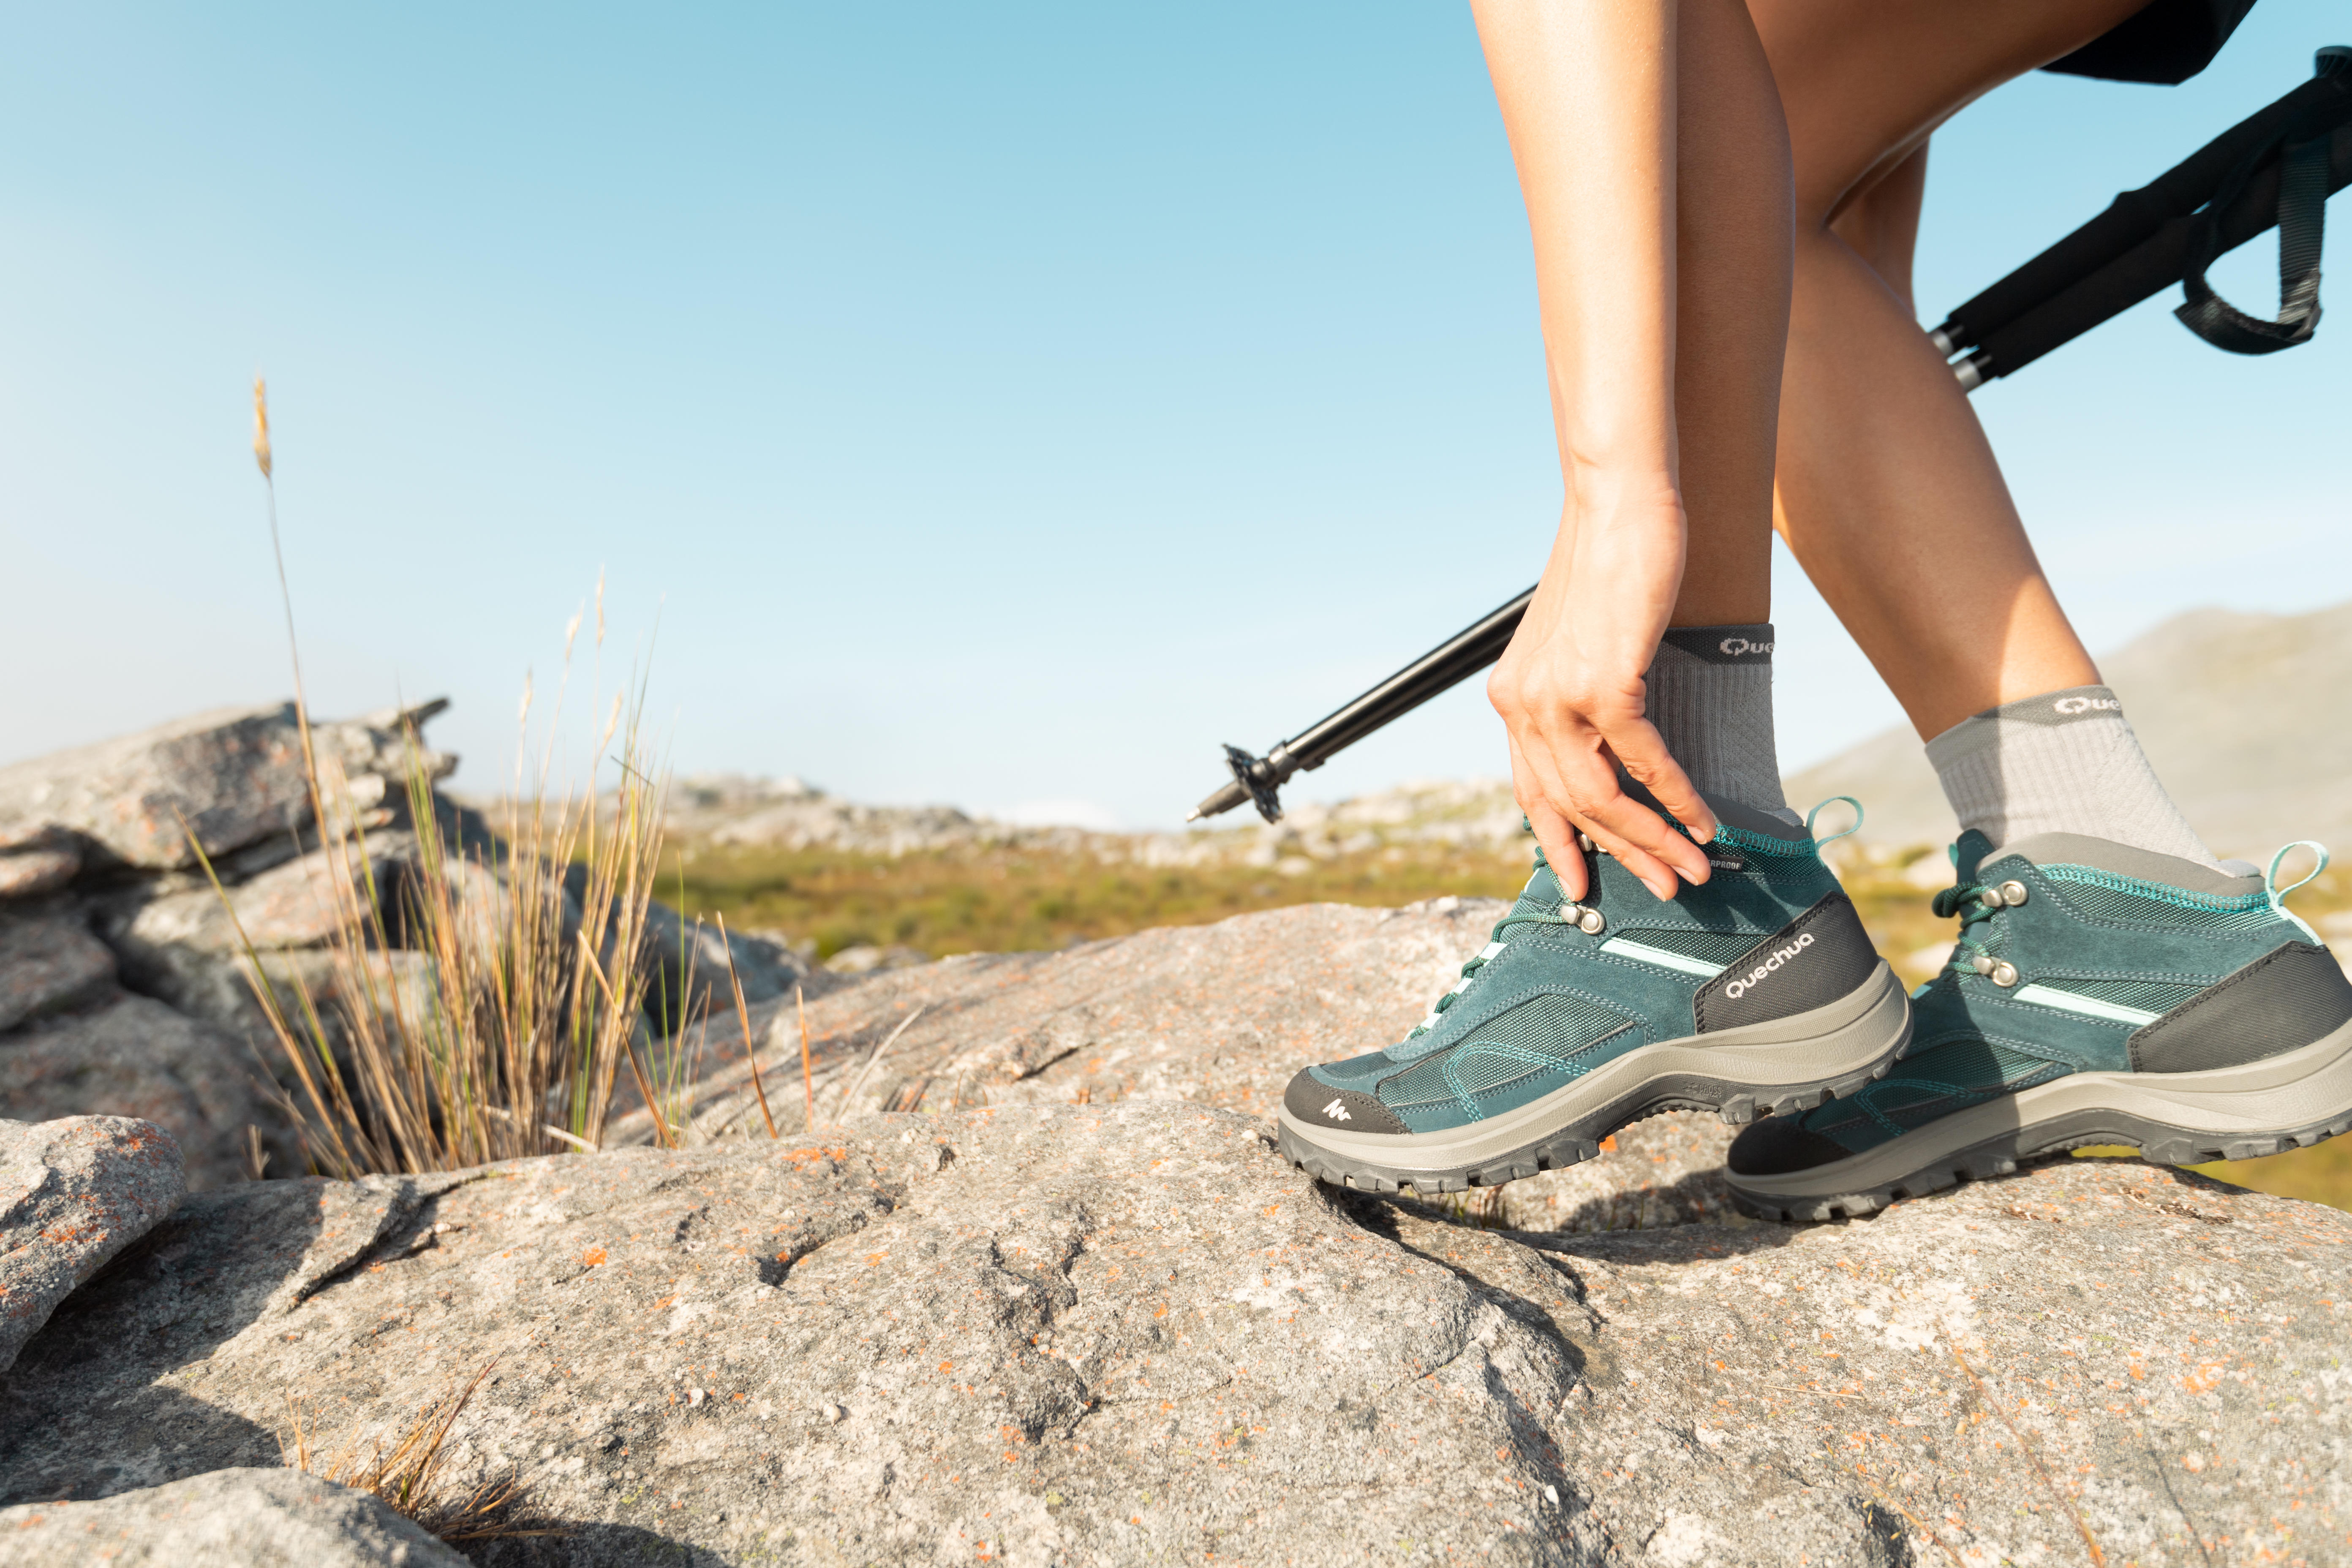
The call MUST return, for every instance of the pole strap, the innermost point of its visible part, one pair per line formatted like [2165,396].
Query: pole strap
[2303,216]
[2302,147]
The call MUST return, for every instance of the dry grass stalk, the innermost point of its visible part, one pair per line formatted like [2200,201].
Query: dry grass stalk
[808,1077]
[532,946]
[510,1048]
[408,1477]
[841,1107]
[675,1063]
[743,1021]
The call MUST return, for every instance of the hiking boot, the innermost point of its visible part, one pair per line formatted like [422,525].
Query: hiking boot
[1754,993]
[2099,994]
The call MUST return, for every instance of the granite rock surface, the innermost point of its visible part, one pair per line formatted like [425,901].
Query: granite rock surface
[35,858]
[1131,1333]
[254,1517]
[133,1056]
[49,962]
[1218,1015]
[73,1194]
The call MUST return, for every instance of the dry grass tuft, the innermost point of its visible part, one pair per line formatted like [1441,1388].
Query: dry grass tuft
[534,942]
[408,1475]
[535,983]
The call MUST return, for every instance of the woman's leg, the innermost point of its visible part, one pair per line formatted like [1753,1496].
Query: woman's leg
[1891,500]
[1733,217]
[1888,493]
[1655,166]
[1732,258]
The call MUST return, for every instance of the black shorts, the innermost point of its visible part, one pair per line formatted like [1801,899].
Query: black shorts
[2167,41]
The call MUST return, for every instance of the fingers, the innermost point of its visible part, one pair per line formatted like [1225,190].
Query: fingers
[1644,844]
[1552,830]
[1644,753]
[1581,785]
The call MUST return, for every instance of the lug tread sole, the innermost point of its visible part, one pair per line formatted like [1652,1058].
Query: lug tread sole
[2159,1146]
[1575,1143]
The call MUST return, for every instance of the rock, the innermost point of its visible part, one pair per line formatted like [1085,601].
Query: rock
[232,777]
[260,1517]
[691,962]
[1665,1171]
[1221,1014]
[49,962]
[233,774]
[73,1193]
[291,904]
[866,958]
[1131,1334]
[790,815]
[188,948]
[137,1057]
[36,859]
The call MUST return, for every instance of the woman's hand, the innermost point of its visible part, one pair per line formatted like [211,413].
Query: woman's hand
[1571,693]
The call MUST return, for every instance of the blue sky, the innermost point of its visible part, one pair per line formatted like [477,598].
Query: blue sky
[1000,405]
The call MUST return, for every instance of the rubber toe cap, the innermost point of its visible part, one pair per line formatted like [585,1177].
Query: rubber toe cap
[1780,1145]
[1320,1105]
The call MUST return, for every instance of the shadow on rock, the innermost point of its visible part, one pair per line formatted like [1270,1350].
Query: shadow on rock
[1701,1198]
[181,1436]
[588,1545]
[86,1412]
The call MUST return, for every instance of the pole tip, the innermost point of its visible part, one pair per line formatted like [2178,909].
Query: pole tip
[1193,815]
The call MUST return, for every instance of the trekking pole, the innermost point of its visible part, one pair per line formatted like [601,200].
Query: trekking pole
[2274,169]
[1460,657]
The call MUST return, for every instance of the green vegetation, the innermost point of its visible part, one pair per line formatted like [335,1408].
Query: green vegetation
[996,899]
[1002,901]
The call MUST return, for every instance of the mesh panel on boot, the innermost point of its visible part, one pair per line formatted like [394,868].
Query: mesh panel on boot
[1423,1083]
[1479,1071]
[1556,1025]
[1533,1037]
[2104,896]
[1927,1086]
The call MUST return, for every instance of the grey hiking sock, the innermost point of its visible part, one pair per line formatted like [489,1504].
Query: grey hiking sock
[1710,695]
[2065,761]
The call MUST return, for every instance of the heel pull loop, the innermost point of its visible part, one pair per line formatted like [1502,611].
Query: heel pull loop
[1824,806]
[2277,894]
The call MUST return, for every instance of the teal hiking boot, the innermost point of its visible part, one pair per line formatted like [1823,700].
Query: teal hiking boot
[1754,993]
[2099,994]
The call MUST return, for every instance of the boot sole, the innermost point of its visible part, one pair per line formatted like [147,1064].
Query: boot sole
[1757,1069]
[2173,1119]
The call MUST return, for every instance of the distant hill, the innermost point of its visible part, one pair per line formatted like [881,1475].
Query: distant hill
[2248,719]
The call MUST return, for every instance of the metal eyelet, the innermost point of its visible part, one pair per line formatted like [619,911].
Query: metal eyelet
[1569,911]
[2012,894]
[2004,973]
[1981,965]
[1590,921]
[1584,842]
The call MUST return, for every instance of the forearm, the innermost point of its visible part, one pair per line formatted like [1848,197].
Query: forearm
[1587,91]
